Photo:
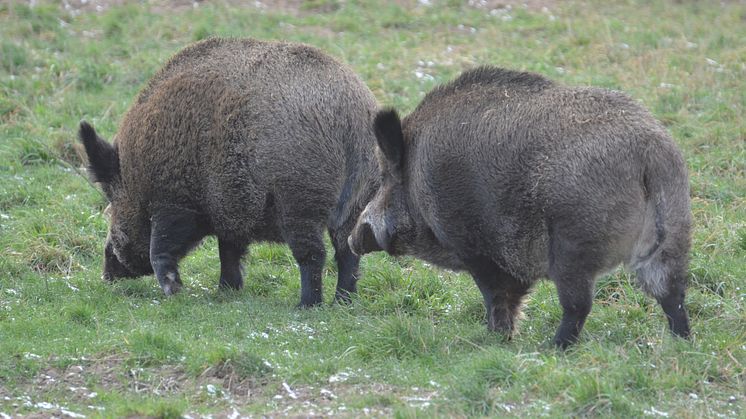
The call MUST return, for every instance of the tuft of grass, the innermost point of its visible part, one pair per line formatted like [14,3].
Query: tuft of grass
[149,348]
[228,361]
[402,337]
[82,314]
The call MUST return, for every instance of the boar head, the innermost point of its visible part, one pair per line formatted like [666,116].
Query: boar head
[126,253]
[386,223]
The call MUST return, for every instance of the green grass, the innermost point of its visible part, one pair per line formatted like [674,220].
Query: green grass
[413,343]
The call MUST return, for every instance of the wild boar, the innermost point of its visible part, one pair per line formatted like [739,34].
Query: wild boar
[245,140]
[512,177]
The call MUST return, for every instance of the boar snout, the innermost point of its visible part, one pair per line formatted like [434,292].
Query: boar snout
[362,240]
[113,268]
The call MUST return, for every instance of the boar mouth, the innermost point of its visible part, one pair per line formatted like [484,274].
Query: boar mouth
[114,269]
[363,240]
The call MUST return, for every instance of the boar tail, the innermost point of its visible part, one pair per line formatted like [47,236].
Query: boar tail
[657,203]
[663,246]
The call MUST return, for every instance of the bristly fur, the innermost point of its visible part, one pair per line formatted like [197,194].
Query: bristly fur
[246,140]
[513,177]
[490,77]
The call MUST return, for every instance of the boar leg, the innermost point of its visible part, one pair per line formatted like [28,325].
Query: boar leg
[308,251]
[502,294]
[173,233]
[231,272]
[347,269]
[576,298]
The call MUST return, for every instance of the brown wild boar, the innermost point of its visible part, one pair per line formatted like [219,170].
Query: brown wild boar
[245,140]
[512,177]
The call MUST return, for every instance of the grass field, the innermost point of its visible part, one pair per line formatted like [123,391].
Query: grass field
[413,343]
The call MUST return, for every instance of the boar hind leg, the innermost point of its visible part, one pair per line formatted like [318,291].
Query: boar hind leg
[173,233]
[347,268]
[231,272]
[503,294]
[576,298]
[574,263]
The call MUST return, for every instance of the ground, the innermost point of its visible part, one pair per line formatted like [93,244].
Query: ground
[413,343]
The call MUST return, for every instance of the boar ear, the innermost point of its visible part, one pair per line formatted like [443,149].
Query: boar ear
[103,161]
[387,128]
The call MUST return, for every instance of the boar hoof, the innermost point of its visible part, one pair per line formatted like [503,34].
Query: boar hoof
[343,298]
[172,288]
[504,328]
[304,304]
[172,284]
[501,320]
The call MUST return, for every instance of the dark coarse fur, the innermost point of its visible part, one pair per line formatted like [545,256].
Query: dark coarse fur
[513,177]
[248,141]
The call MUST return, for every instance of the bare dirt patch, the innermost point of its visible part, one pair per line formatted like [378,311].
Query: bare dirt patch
[55,388]
[75,390]
[292,7]
[515,4]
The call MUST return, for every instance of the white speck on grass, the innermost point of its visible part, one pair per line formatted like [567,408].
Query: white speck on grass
[506,407]
[339,377]
[666,85]
[328,394]
[290,391]
[211,390]
[655,412]
[423,76]
[691,45]
[710,61]
[469,29]
[29,355]
[71,414]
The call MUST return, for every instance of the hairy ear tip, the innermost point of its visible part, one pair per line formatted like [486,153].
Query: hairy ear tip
[387,115]
[86,131]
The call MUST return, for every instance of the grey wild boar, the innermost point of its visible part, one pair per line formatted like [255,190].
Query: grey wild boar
[245,140]
[512,177]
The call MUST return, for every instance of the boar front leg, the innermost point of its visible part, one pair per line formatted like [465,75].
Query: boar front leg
[348,265]
[231,273]
[174,232]
[307,245]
